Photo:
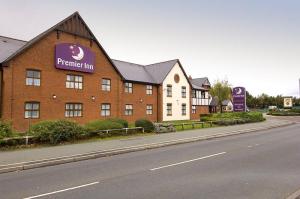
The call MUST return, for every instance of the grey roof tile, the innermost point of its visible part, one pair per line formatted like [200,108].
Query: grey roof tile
[153,73]
[9,46]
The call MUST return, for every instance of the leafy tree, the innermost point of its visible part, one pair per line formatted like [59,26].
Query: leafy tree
[221,90]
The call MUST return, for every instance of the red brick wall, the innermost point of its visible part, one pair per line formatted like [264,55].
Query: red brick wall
[199,111]
[139,99]
[41,56]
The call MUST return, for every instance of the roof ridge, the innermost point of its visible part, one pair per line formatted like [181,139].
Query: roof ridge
[200,78]
[127,62]
[13,38]
[162,62]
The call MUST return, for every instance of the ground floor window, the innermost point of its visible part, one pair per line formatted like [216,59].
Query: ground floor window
[183,109]
[32,110]
[193,109]
[128,109]
[169,109]
[73,110]
[149,109]
[105,109]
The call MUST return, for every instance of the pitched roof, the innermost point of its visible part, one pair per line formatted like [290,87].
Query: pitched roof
[159,71]
[69,25]
[199,83]
[153,73]
[226,102]
[8,46]
[133,72]
[214,101]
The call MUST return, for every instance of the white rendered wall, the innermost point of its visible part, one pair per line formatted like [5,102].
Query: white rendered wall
[176,98]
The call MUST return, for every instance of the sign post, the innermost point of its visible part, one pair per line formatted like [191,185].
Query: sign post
[239,99]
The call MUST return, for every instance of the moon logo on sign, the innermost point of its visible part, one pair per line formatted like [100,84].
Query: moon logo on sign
[239,91]
[77,52]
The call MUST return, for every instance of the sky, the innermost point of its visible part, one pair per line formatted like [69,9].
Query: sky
[250,43]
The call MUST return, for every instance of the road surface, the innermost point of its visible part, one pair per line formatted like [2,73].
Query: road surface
[263,164]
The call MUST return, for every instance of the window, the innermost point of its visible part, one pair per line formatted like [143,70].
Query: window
[128,87]
[106,84]
[73,110]
[32,110]
[183,92]
[105,109]
[202,94]
[193,109]
[149,109]
[74,81]
[169,109]
[169,90]
[183,109]
[149,89]
[33,78]
[193,93]
[128,109]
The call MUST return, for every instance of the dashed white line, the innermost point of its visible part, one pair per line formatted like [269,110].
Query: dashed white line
[63,190]
[187,161]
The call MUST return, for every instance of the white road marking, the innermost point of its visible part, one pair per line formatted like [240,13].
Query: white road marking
[63,190]
[184,162]
[249,146]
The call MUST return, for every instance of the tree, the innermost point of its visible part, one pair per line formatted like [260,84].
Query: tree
[221,90]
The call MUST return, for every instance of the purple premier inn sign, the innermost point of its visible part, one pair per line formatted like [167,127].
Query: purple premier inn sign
[74,57]
[239,99]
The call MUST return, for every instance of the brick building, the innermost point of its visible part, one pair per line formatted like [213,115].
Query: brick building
[64,73]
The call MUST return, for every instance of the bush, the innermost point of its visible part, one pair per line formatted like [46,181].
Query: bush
[55,132]
[94,127]
[120,121]
[234,118]
[146,124]
[5,130]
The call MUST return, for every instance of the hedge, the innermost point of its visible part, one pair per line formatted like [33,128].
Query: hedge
[120,121]
[146,124]
[97,126]
[234,118]
[58,131]
[5,130]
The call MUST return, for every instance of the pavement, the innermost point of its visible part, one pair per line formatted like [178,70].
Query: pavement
[47,156]
[260,165]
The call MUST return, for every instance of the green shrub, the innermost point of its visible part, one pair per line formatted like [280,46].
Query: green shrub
[5,130]
[234,118]
[120,121]
[146,124]
[55,132]
[99,125]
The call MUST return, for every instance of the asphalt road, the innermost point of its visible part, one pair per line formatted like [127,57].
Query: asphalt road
[257,165]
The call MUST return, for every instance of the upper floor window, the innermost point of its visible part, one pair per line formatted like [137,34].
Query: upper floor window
[183,92]
[105,109]
[169,90]
[74,81]
[33,77]
[106,84]
[202,94]
[128,109]
[193,93]
[183,109]
[169,109]
[128,87]
[149,89]
[32,110]
[73,110]
[149,109]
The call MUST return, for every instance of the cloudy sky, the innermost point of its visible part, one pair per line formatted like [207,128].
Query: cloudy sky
[251,43]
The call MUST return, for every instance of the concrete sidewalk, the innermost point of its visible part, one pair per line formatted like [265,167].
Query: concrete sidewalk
[20,157]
